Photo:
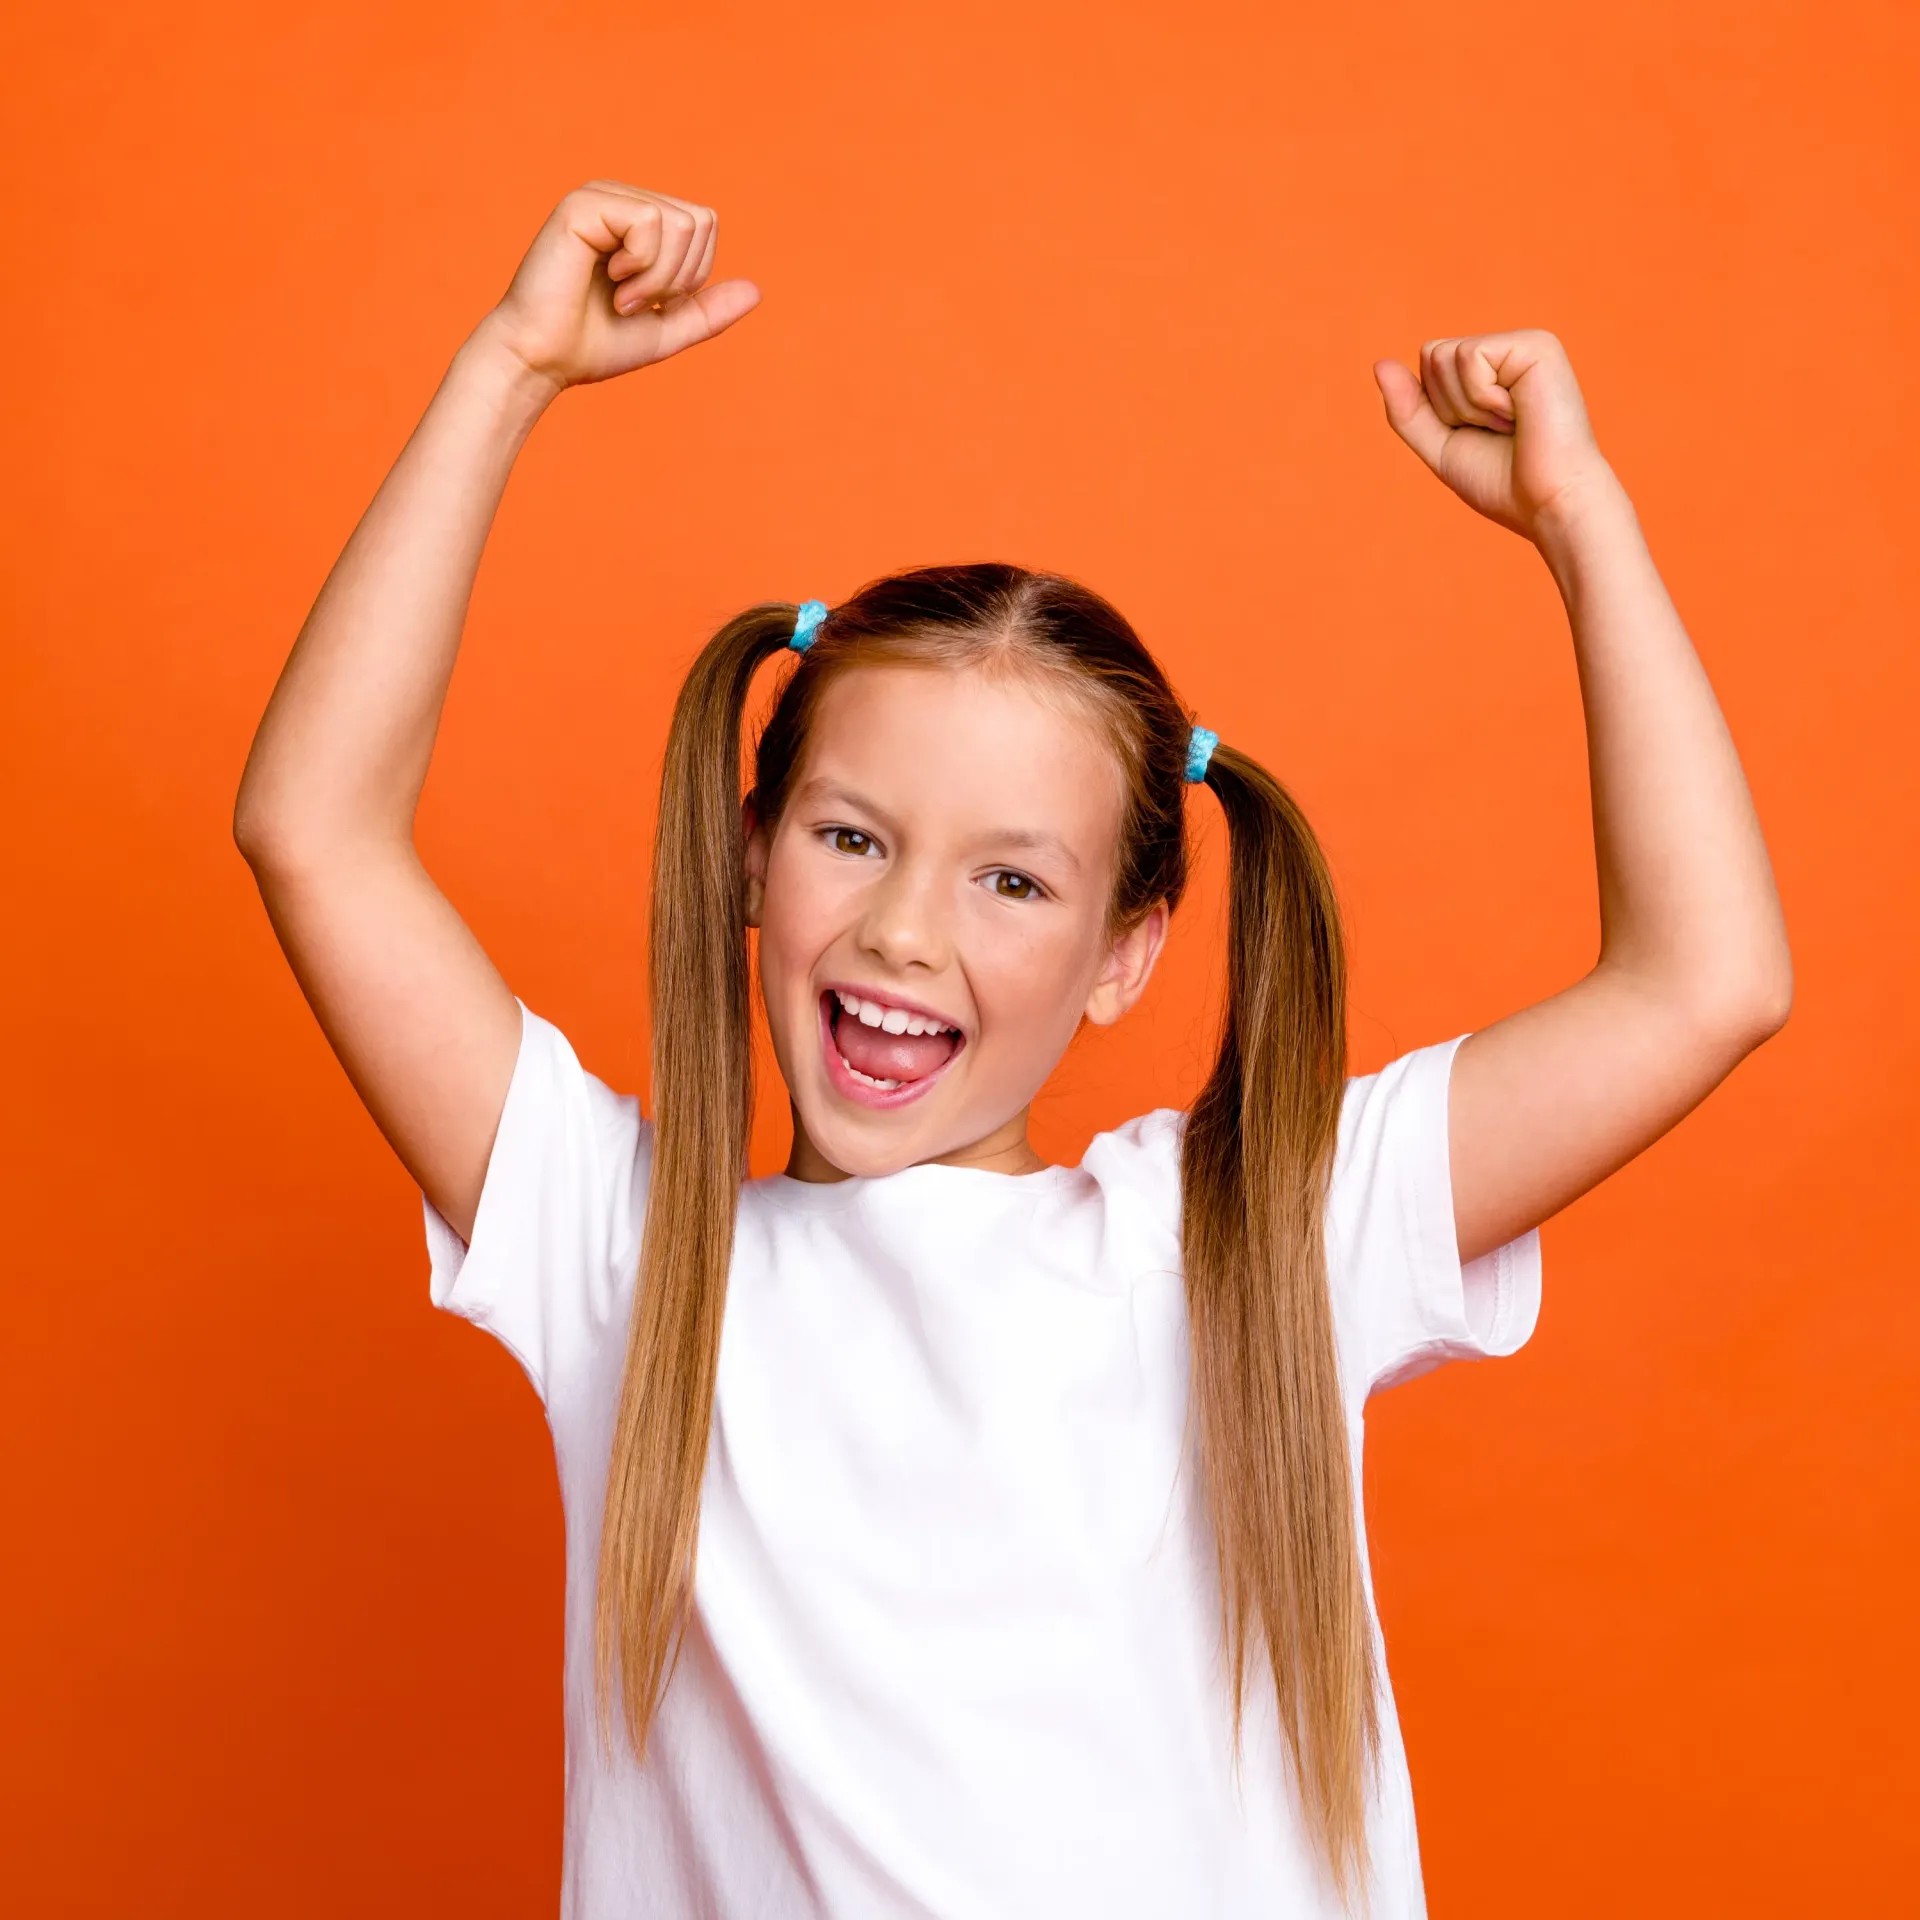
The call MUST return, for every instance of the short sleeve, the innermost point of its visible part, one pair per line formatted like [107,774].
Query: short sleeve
[1404,1299]
[556,1237]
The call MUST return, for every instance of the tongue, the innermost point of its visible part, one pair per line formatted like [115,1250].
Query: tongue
[890,1056]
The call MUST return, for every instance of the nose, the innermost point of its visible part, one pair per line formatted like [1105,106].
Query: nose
[903,920]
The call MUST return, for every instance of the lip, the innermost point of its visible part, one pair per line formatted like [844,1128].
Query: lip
[881,1099]
[893,1000]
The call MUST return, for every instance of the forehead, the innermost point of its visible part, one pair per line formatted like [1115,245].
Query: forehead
[967,752]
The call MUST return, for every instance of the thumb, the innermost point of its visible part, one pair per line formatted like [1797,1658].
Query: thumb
[1409,412]
[703,314]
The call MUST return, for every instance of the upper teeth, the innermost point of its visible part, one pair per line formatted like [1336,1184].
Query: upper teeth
[870,1013]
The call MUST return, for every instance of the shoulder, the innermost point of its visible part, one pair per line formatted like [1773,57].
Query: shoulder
[1136,1167]
[1393,1124]
[1141,1147]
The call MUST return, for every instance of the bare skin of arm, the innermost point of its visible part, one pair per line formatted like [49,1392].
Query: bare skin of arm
[421,1020]
[1694,970]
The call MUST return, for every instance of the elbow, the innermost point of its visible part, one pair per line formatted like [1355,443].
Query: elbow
[258,814]
[1713,1009]
[1774,1002]
[252,833]
[1768,996]
[289,820]
[262,831]
[283,842]
[1742,1006]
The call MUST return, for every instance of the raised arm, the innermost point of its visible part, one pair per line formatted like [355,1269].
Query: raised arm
[1693,971]
[424,1025]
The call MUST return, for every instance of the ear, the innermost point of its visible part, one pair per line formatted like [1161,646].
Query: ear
[756,839]
[1129,967]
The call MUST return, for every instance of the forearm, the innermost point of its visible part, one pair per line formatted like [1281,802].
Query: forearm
[1689,914]
[343,748]
[1693,970]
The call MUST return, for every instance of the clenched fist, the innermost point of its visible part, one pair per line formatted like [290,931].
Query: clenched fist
[1500,418]
[615,280]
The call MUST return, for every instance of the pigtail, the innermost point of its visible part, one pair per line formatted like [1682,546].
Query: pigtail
[1256,1164]
[703,1107]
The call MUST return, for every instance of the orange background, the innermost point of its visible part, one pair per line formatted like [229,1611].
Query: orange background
[1096,288]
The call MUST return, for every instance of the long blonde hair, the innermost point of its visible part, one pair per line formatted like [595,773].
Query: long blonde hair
[1255,1160]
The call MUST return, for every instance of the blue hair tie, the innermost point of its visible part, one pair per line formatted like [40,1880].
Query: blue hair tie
[1199,751]
[809,617]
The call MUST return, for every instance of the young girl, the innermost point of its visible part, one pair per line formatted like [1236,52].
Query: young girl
[1030,1572]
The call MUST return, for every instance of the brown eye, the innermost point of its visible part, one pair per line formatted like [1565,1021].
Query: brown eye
[1008,885]
[850,840]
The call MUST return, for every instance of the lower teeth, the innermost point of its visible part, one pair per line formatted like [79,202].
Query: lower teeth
[867,1079]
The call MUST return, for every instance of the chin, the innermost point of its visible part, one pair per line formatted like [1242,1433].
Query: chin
[867,1147]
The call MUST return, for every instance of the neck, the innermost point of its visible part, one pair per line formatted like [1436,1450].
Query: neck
[1005,1150]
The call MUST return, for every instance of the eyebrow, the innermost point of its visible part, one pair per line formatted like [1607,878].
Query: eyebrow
[817,792]
[1035,842]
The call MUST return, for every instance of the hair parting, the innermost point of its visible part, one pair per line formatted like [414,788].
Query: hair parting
[1256,1155]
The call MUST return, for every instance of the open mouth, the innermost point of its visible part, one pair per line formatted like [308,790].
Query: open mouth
[880,1053]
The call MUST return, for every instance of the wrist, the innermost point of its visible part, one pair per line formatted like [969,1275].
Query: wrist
[488,360]
[1591,511]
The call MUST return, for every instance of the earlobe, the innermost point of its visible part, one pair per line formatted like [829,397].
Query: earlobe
[1130,964]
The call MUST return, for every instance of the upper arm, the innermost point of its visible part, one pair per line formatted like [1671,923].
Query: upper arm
[1547,1102]
[419,1017]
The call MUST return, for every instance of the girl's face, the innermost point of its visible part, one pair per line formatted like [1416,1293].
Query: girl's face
[932,912]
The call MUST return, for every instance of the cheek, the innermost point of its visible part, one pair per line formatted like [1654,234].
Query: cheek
[799,917]
[1033,978]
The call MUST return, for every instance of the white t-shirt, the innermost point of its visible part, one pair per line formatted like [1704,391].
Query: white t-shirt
[956,1640]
